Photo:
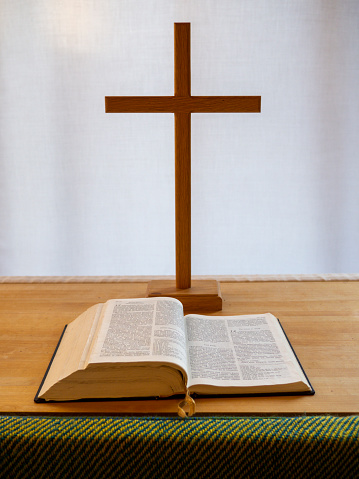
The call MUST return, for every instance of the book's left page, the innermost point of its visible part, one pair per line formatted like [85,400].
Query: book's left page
[140,330]
[123,348]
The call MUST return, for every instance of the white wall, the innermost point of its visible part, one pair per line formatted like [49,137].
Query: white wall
[84,192]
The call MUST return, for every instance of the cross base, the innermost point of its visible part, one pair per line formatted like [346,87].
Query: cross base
[204,296]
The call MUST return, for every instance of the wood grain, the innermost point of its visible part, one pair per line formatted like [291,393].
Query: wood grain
[321,320]
[182,88]
[189,104]
[183,199]
[182,59]
[204,296]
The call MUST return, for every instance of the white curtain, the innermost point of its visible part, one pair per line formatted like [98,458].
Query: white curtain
[88,193]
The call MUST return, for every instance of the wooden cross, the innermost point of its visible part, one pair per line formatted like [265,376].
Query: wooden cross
[182,104]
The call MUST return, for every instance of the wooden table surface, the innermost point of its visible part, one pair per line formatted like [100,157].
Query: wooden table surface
[321,320]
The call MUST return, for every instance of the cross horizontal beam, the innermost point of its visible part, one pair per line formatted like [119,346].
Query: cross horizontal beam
[183,104]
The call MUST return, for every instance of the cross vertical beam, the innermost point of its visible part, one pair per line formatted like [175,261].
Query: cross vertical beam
[182,88]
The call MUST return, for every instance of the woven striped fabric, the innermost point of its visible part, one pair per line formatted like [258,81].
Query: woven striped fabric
[158,447]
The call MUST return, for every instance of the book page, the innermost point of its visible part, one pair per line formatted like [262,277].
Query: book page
[239,351]
[141,330]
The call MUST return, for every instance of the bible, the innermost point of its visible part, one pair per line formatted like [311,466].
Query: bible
[146,347]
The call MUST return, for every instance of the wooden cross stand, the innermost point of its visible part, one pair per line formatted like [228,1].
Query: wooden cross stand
[196,296]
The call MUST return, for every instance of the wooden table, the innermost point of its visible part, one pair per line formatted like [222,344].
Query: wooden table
[321,320]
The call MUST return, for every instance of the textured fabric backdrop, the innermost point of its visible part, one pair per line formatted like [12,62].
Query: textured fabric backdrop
[314,447]
[88,193]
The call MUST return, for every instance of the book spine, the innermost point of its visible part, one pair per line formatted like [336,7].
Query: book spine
[37,399]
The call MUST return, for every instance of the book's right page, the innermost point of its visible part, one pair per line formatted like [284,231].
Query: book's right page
[242,355]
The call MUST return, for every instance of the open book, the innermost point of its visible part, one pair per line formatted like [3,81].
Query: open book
[148,348]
